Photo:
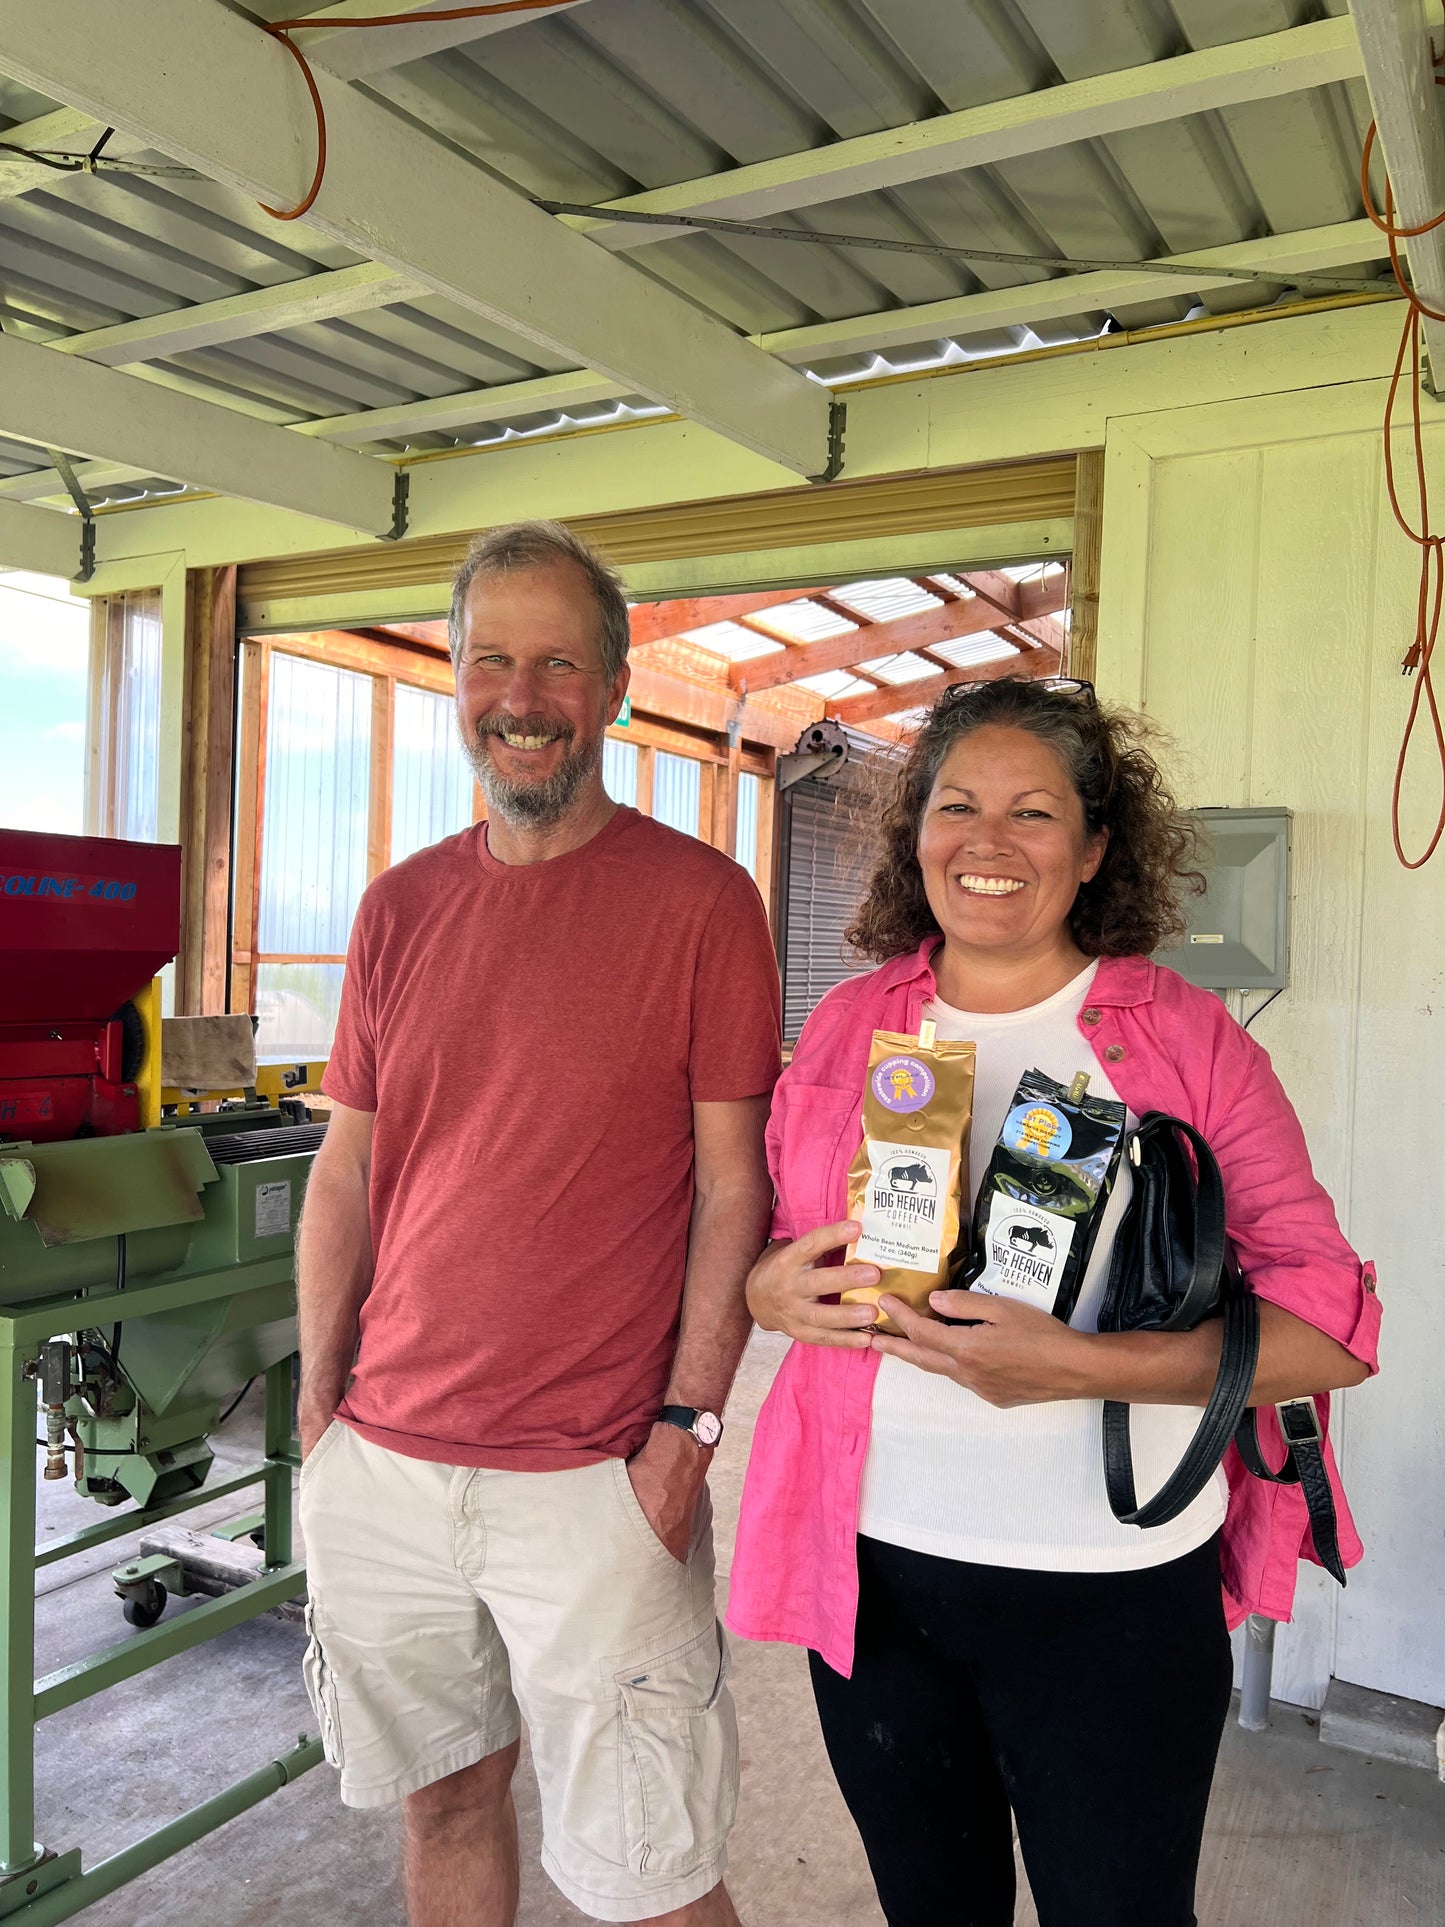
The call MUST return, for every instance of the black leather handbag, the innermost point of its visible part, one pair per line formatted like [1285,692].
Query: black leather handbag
[1173,1267]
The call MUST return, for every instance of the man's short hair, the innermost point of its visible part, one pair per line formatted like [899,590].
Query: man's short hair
[542,545]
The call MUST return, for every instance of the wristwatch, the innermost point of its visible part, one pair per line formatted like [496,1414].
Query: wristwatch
[705,1427]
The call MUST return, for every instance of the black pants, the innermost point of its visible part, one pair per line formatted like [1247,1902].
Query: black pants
[1091,1704]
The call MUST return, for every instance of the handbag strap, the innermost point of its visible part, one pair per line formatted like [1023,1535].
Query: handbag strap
[1209,1233]
[1238,1356]
[1304,1466]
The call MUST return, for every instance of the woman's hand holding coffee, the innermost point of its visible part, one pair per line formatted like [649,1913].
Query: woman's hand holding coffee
[791,1290]
[1009,1354]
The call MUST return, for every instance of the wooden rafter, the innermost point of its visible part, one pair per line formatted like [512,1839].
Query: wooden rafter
[657,621]
[1025,619]
[927,690]
[926,630]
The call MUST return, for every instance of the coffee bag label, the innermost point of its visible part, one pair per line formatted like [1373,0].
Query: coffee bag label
[904,1218]
[1026,1252]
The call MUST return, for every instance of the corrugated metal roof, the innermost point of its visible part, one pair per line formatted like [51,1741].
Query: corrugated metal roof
[619,96]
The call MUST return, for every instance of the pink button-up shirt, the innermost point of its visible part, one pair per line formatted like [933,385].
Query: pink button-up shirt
[1167,1047]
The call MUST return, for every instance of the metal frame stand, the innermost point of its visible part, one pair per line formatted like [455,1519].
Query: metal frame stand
[39,1886]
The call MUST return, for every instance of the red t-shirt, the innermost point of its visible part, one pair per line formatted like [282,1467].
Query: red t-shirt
[532,1039]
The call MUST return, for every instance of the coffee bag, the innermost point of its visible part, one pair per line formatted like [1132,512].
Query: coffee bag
[1044,1193]
[910,1171]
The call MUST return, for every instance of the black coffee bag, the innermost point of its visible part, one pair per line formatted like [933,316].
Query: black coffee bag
[1044,1193]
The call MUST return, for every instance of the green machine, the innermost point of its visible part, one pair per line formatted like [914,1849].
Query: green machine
[146,1274]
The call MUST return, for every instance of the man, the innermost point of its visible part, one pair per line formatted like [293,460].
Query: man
[536,1206]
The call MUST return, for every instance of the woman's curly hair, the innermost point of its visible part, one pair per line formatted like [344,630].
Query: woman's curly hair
[1131,907]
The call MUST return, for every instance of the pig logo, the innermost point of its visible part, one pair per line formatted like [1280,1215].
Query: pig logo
[1032,1238]
[905,1190]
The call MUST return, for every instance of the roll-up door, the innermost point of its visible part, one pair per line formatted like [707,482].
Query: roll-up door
[824,871]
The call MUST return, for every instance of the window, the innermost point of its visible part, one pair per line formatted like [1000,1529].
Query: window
[431,785]
[677,792]
[619,771]
[746,847]
[316,811]
[122,791]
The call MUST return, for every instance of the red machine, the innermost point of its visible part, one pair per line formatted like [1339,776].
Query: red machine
[85,923]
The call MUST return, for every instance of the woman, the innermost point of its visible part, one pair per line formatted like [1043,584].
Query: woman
[927,1513]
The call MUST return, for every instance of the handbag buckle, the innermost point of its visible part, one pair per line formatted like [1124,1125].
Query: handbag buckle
[1299,1422]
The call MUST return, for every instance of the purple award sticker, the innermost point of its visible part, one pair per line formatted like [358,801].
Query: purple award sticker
[903,1084]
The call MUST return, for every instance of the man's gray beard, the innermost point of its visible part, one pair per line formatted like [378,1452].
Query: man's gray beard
[534,806]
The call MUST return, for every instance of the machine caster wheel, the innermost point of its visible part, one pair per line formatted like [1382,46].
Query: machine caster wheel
[144,1607]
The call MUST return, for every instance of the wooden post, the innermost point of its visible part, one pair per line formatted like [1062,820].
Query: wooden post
[206,786]
[378,840]
[711,805]
[729,812]
[255,663]
[767,876]
[644,778]
[1081,654]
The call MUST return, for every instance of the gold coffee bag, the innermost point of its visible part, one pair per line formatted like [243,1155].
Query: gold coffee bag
[908,1175]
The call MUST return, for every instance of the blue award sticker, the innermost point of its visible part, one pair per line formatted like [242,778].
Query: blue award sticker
[1037,1130]
[903,1084]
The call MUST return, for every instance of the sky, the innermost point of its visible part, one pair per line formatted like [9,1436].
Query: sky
[44,644]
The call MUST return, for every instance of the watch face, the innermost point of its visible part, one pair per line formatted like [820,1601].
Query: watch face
[708,1428]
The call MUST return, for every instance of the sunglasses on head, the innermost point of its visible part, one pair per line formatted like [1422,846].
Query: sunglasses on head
[1056,685]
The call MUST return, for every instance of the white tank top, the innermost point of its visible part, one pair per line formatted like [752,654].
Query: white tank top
[949,1474]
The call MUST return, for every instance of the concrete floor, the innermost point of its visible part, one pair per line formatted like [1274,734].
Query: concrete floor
[1300,1835]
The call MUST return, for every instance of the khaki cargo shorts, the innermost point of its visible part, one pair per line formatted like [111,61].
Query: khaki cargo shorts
[447,1604]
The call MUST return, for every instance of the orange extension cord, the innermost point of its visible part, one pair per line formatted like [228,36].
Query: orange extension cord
[1431,545]
[282,29]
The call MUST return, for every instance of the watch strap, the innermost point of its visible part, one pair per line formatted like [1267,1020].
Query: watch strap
[685,1418]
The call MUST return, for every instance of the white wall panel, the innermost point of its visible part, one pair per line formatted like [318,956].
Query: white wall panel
[1256,601]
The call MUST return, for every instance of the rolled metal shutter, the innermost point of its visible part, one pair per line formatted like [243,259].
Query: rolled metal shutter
[824,874]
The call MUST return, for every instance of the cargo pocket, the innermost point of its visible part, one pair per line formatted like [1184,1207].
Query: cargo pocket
[679,1756]
[321,1690]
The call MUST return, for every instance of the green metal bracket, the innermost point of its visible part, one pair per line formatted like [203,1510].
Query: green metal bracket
[239,1528]
[52,1870]
[165,1571]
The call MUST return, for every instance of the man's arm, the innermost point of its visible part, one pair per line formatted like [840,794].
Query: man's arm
[732,1203]
[333,1266]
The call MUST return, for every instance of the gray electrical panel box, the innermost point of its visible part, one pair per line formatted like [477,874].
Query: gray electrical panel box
[1238,937]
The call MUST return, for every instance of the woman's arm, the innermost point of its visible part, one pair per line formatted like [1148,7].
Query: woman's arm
[1017,1355]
